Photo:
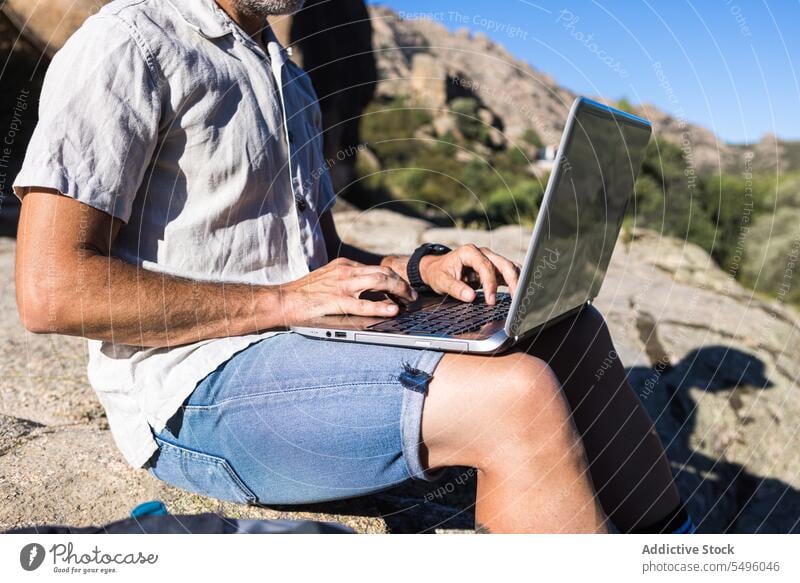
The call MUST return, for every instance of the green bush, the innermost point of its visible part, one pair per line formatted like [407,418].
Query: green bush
[664,199]
[771,262]
[530,136]
[731,204]
[517,205]
[625,105]
[465,111]
[388,120]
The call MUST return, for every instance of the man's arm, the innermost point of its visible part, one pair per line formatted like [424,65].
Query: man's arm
[67,283]
[445,274]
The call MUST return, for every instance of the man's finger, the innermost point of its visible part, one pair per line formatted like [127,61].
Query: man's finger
[479,262]
[457,289]
[381,279]
[506,268]
[354,307]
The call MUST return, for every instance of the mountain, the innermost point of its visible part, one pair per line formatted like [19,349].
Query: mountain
[771,154]
[423,61]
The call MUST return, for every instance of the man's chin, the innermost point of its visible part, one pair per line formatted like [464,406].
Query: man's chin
[266,8]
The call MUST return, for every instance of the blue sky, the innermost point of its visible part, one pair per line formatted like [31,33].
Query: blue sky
[730,65]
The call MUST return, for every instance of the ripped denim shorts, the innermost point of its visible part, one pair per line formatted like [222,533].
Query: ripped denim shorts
[293,420]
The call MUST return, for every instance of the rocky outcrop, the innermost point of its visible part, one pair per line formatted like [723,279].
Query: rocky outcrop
[420,59]
[49,23]
[715,366]
[702,149]
[22,76]
[409,56]
[771,154]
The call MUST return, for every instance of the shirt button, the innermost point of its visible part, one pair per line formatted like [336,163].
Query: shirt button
[301,204]
[291,137]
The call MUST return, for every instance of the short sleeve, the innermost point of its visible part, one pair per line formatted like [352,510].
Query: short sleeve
[98,119]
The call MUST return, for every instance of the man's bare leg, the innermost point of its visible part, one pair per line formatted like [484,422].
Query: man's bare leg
[507,417]
[628,465]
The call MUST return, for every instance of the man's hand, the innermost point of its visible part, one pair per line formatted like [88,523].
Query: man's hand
[336,289]
[446,274]
[451,273]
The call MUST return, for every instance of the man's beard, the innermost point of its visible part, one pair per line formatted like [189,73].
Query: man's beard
[266,8]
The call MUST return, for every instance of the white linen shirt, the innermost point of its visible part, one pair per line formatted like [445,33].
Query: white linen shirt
[168,116]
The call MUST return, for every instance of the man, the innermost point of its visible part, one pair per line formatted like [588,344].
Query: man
[175,214]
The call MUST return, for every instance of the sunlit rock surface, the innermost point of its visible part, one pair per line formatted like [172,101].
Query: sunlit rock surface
[715,367]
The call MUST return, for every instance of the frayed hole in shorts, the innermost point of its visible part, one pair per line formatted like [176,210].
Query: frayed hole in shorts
[415,379]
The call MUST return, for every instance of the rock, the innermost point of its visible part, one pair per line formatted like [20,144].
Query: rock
[704,150]
[13,431]
[647,328]
[49,23]
[770,154]
[332,41]
[444,125]
[467,65]
[731,462]
[427,81]
[75,476]
[715,367]
[517,93]
[510,240]
[42,378]
[380,230]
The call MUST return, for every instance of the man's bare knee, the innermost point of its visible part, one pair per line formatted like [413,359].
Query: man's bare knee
[533,416]
[489,411]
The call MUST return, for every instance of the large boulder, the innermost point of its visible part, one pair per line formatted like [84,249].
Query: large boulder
[49,23]
[715,367]
[428,81]
[21,78]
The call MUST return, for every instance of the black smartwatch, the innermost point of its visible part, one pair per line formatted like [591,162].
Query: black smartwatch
[412,269]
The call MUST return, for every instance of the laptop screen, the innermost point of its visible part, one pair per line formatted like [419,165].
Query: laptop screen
[581,214]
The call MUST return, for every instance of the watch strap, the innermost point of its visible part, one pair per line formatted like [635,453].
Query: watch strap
[412,268]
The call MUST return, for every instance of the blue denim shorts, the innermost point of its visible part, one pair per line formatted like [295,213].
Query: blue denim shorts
[293,420]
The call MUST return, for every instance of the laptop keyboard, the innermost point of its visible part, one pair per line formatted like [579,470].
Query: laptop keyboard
[448,318]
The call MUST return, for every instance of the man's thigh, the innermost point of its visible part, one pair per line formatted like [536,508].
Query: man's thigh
[296,420]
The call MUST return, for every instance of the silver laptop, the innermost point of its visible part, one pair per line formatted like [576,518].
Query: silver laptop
[579,220]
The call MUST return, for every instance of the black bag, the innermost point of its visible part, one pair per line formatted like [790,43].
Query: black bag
[194,524]
[151,518]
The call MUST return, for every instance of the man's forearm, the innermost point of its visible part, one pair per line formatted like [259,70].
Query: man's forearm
[118,302]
